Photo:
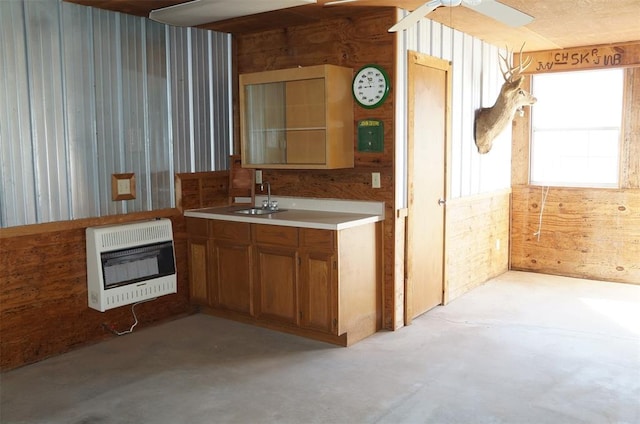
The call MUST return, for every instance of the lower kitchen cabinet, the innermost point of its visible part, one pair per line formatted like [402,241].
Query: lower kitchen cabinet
[318,280]
[276,273]
[318,289]
[322,284]
[277,281]
[231,276]
[197,254]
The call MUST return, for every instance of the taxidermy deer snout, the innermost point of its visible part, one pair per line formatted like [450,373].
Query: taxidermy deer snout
[522,98]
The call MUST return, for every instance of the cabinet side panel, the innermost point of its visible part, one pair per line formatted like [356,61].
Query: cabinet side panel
[339,109]
[359,282]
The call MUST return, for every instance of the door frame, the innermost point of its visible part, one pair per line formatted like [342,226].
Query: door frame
[420,59]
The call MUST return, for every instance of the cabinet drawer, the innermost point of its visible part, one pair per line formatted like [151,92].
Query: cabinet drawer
[317,239]
[197,227]
[237,231]
[275,234]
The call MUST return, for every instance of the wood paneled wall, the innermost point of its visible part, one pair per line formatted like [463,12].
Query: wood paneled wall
[202,190]
[630,149]
[477,246]
[584,232]
[43,289]
[591,233]
[345,42]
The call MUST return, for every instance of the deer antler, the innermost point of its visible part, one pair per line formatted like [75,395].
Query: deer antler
[509,71]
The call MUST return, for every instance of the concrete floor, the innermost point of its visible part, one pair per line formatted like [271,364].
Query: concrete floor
[523,348]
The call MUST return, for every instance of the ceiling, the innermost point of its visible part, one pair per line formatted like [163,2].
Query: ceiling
[557,24]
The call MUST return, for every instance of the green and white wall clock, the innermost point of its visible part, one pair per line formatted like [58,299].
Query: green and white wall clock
[371,86]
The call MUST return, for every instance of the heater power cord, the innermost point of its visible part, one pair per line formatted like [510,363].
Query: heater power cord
[135,318]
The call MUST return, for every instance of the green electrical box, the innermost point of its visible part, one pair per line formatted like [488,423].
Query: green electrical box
[370,135]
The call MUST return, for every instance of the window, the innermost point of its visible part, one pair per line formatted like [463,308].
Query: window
[576,127]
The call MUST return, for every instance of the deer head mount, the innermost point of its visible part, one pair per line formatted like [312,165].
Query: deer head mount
[491,121]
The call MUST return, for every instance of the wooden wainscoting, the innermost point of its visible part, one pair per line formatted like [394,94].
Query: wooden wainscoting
[477,241]
[43,289]
[202,189]
[587,233]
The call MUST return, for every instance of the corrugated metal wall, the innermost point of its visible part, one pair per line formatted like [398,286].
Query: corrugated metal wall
[85,93]
[476,83]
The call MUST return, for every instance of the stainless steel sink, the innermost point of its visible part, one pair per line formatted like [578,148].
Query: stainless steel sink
[257,211]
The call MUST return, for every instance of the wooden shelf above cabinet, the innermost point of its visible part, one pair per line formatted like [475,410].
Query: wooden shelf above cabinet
[299,118]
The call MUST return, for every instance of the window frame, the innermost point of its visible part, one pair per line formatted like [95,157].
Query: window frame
[619,163]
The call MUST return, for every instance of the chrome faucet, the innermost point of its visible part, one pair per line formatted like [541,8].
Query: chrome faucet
[271,205]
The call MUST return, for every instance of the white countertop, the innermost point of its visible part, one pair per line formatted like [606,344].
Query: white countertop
[328,214]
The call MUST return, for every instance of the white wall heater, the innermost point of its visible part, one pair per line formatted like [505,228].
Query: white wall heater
[130,263]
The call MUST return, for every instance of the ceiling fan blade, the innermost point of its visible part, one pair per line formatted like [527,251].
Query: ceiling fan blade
[413,17]
[177,14]
[501,13]
[198,12]
[364,3]
[337,2]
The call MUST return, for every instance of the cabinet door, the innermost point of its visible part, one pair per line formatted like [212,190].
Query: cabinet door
[305,104]
[276,290]
[318,291]
[264,122]
[232,276]
[308,146]
[198,267]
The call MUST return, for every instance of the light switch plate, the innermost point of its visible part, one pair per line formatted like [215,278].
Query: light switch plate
[375,180]
[258,176]
[124,187]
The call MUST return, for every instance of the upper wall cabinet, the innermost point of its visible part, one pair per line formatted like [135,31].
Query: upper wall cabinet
[300,118]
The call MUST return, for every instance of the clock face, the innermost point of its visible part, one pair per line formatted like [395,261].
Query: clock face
[370,86]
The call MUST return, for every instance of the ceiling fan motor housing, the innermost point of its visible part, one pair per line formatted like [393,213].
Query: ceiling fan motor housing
[451,3]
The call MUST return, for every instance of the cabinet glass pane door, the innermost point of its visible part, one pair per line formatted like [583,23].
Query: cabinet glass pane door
[285,122]
[265,123]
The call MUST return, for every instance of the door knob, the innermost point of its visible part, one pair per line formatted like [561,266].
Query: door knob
[442,202]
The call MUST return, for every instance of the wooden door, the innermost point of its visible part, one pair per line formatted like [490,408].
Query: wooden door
[428,97]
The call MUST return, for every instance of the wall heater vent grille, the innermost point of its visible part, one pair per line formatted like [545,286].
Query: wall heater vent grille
[119,238]
[140,292]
